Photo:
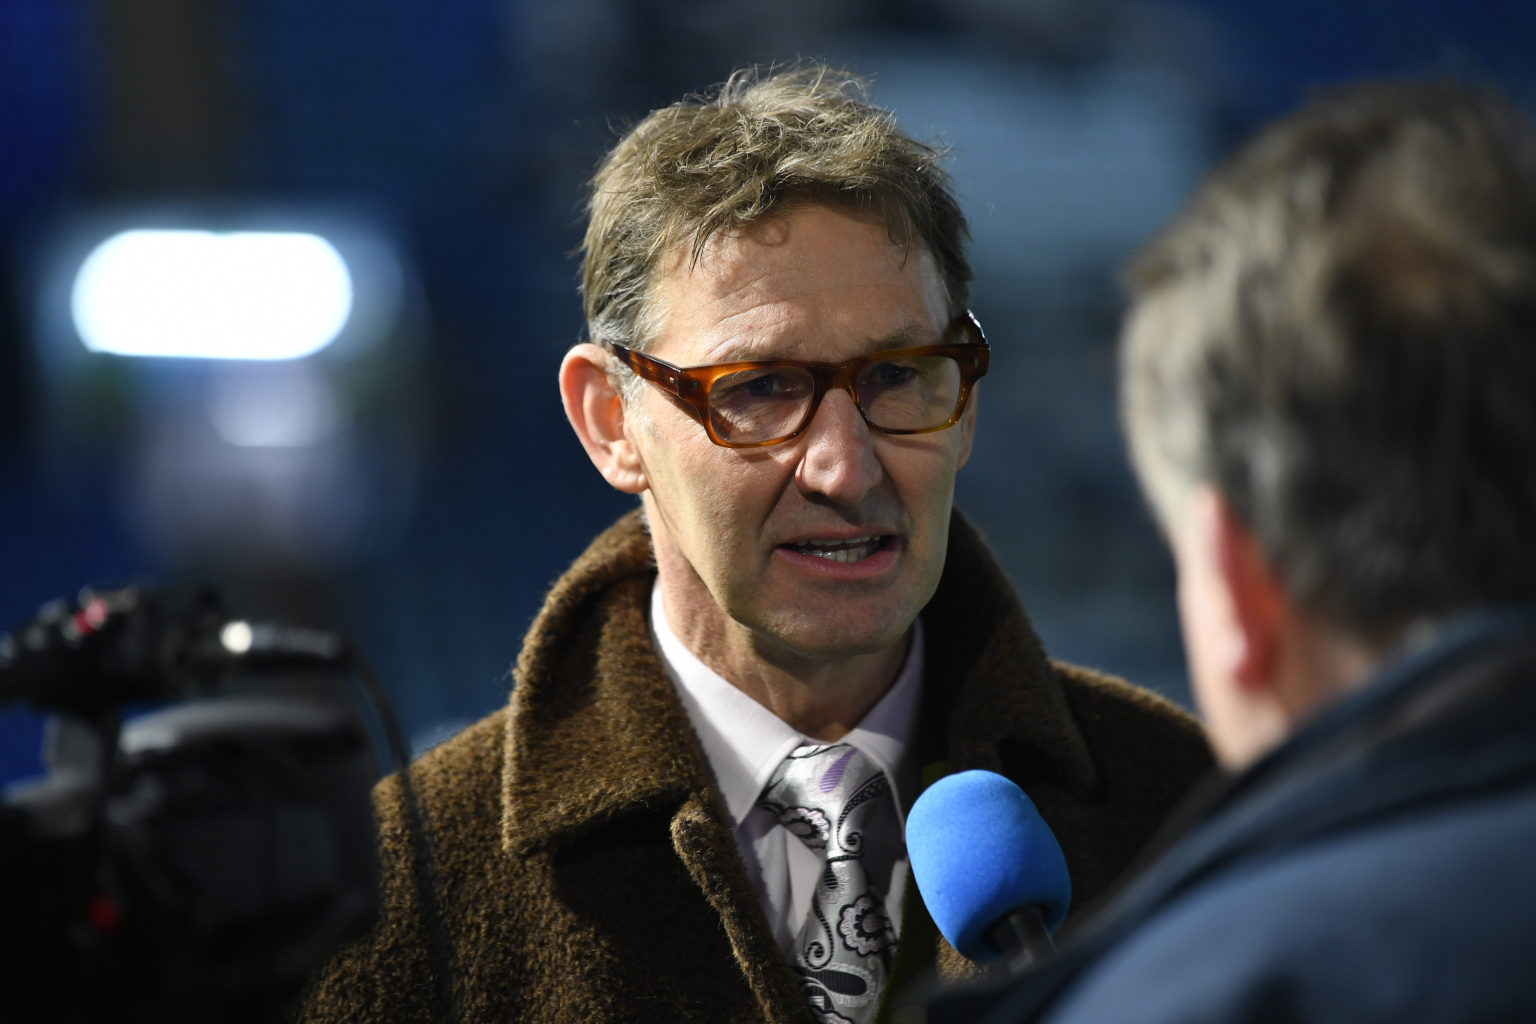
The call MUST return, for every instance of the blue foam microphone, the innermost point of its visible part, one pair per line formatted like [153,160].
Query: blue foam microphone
[992,875]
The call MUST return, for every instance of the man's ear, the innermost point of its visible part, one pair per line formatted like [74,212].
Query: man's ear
[596,412]
[1259,607]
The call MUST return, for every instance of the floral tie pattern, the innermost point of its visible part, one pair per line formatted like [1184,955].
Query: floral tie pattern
[823,794]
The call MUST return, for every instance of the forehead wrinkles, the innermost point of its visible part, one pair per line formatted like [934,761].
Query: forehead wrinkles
[729,281]
[785,267]
[735,263]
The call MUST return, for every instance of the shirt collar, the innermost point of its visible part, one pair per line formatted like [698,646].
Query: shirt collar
[744,741]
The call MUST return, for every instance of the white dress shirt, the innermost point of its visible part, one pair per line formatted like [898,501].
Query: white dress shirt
[745,742]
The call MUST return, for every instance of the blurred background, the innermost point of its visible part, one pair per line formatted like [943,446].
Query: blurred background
[375,443]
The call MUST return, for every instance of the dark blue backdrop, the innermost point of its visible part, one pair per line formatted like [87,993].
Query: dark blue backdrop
[468,128]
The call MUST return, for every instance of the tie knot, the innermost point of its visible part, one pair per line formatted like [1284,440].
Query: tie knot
[822,793]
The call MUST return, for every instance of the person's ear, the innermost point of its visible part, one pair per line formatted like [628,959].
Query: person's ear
[1258,604]
[596,411]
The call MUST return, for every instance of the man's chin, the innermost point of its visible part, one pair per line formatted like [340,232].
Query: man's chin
[837,636]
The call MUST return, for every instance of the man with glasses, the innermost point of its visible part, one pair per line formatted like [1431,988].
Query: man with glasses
[692,809]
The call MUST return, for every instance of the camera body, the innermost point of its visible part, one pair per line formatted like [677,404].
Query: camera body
[195,858]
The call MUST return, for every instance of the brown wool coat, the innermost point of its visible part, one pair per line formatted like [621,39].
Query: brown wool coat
[586,868]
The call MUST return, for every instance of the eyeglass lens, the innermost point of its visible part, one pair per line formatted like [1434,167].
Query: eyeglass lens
[903,393]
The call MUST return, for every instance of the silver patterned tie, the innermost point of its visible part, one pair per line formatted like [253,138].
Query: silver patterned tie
[824,794]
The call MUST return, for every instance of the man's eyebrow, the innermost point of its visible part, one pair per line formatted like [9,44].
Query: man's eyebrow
[910,334]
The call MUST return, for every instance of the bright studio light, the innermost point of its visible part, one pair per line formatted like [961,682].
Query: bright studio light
[207,295]
[237,637]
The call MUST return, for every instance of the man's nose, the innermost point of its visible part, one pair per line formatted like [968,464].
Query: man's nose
[839,460]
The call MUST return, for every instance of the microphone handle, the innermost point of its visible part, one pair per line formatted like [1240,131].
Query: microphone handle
[1022,938]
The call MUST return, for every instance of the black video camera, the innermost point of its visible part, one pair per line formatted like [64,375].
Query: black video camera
[204,838]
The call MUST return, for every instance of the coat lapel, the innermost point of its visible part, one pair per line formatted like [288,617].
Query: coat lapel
[597,744]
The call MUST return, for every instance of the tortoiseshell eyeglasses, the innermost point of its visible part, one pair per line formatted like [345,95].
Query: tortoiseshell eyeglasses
[754,404]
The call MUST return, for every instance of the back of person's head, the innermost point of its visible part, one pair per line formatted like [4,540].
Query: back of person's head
[762,142]
[1339,335]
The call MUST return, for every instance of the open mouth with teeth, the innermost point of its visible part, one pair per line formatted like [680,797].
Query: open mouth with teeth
[854,549]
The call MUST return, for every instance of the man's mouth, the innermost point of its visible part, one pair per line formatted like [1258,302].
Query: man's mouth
[854,549]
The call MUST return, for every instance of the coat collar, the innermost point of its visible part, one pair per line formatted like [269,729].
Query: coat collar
[596,731]
[1449,724]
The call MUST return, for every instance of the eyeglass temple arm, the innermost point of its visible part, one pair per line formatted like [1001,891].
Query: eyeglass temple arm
[653,370]
[664,376]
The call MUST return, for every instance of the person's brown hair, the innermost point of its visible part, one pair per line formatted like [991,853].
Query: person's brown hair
[1339,334]
[760,143]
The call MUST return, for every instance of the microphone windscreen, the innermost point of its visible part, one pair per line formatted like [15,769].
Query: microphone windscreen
[979,851]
